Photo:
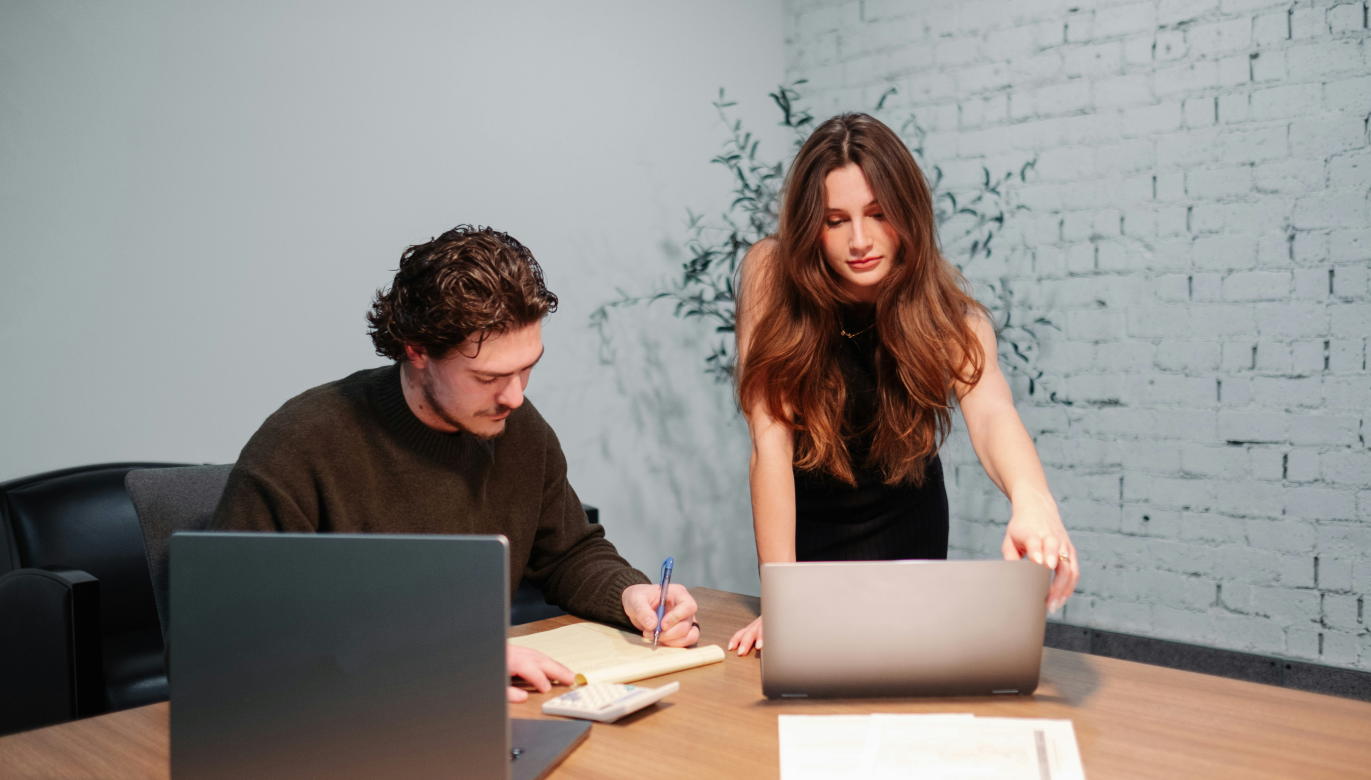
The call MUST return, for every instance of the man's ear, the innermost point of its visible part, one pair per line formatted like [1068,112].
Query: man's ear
[417,356]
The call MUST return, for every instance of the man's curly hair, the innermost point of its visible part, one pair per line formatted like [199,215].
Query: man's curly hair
[468,281]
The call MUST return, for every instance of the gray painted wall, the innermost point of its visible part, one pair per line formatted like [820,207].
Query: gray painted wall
[1198,229]
[198,201]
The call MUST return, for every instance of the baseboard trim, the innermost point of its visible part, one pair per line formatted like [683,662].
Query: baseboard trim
[1252,667]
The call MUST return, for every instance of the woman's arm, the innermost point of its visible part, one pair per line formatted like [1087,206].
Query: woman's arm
[772,480]
[770,474]
[1006,452]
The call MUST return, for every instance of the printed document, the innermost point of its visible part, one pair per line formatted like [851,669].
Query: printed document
[941,747]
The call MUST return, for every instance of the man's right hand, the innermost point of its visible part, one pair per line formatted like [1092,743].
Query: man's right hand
[747,638]
[536,669]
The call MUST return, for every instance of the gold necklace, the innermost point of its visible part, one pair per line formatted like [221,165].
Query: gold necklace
[858,333]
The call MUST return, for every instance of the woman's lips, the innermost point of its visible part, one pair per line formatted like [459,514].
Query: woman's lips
[865,262]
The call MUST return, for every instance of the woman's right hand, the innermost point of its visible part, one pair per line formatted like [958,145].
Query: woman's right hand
[748,637]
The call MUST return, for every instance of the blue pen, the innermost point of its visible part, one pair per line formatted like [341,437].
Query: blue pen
[661,605]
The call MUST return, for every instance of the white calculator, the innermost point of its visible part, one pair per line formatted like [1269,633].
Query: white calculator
[606,702]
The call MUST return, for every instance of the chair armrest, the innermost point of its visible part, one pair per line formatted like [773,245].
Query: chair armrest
[50,665]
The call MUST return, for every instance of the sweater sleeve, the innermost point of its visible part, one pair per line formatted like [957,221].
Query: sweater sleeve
[572,562]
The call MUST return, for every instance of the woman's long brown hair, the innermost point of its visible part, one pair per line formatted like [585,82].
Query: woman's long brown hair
[925,341]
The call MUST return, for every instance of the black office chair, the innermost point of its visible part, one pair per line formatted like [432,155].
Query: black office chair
[79,633]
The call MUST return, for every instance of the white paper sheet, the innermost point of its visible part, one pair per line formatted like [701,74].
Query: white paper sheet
[928,747]
[818,747]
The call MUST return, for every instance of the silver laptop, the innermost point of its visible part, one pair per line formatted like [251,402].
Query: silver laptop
[346,656]
[902,628]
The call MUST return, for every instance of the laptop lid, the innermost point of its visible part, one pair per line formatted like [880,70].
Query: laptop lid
[902,628]
[338,656]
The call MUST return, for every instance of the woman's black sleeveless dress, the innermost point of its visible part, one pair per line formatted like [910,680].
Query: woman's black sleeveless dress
[873,521]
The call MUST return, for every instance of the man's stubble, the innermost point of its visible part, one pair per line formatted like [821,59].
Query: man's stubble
[426,387]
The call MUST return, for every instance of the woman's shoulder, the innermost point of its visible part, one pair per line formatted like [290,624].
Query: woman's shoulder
[767,246]
[758,266]
[761,258]
[755,280]
[978,321]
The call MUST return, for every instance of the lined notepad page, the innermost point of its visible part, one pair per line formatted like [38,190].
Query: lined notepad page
[598,653]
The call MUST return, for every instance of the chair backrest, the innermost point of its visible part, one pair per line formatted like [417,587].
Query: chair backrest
[82,519]
[167,501]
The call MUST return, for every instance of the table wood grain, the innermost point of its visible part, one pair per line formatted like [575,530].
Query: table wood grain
[1131,720]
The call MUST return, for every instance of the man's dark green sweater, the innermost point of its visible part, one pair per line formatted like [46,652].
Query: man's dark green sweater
[351,457]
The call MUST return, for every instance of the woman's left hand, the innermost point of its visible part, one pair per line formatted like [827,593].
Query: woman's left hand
[1036,532]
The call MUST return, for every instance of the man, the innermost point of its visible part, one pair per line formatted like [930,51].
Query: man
[443,441]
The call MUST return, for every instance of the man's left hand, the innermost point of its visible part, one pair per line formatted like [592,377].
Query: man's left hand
[678,624]
[535,668]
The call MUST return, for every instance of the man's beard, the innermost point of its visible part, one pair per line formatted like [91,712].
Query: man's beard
[427,389]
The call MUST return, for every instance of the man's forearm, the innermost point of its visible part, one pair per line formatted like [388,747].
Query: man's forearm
[588,580]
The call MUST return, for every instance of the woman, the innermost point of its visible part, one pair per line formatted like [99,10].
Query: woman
[853,336]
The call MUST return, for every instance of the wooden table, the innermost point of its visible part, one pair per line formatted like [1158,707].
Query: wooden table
[1132,721]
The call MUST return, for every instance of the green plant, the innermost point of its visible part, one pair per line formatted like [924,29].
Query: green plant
[704,288]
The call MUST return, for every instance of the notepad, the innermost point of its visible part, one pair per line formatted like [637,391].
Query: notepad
[597,653]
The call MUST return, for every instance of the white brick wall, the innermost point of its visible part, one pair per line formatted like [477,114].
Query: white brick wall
[1198,228]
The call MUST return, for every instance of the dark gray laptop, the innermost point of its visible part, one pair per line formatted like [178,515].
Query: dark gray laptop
[903,628]
[346,656]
